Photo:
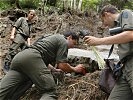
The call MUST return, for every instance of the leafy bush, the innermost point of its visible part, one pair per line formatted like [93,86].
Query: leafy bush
[90,4]
[4,5]
[29,3]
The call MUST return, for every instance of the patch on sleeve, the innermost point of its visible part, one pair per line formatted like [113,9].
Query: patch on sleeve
[125,15]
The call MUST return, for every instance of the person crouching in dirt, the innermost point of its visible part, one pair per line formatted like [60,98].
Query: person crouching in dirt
[123,89]
[32,63]
[19,35]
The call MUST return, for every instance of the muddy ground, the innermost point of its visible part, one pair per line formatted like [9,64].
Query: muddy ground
[71,86]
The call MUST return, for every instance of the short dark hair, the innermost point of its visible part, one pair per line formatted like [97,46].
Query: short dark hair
[71,33]
[109,8]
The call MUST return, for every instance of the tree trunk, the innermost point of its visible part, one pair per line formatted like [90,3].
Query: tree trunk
[80,4]
[71,5]
[68,3]
[64,4]
[17,4]
[75,4]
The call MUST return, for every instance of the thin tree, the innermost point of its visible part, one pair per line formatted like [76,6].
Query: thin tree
[80,4]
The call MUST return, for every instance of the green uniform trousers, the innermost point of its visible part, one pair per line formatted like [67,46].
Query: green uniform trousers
[123,89]
[26,66]
[17,45]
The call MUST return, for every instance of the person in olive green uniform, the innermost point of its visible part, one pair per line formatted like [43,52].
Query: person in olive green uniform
[32,63]
[110,16]
[19,35]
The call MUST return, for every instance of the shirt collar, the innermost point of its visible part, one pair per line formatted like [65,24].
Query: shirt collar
[117,21]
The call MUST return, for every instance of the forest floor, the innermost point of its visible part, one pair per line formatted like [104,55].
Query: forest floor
[73,87]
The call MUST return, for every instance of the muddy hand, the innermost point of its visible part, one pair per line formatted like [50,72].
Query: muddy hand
[80,69]
[91,40]
[12,37]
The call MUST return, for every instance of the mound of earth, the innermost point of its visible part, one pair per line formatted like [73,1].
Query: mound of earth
[70,86]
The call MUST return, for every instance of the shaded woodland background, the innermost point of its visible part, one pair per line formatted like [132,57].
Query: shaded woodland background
[81,5]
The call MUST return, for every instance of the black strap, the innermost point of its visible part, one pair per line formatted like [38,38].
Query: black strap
[24,36]
[124,59]
[111,50]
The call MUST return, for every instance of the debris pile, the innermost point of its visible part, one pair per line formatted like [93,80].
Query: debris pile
[73,87]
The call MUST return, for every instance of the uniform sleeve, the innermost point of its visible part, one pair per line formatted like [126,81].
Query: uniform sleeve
[62,53]
[18,22]
[127,20]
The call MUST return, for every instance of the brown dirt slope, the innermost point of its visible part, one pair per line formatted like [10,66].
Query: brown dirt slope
[73,87]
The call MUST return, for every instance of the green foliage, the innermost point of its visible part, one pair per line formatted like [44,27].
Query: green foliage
[86,4]
[29,3]
[90,4]
[4,5]
[129,5]
[59,4]
[122,4]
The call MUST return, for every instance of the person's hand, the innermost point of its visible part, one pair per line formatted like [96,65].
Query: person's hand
[12,37]
[91,40]
[54,69]
[57,70]
[80,69]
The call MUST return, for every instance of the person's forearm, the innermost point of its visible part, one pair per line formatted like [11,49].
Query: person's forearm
[13,31]
[54,68]
[123,37]
[66,67]
[28,41]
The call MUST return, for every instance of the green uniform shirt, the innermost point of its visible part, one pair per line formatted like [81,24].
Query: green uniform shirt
[125,20]
[23,26]
[53,48]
